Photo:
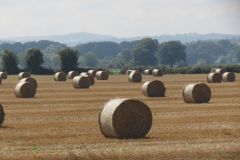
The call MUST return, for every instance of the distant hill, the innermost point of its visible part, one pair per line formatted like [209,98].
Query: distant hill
[82,37]
[191,37]
[21,48]
[68,39]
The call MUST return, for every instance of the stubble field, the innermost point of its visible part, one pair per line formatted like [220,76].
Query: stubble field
[62,122]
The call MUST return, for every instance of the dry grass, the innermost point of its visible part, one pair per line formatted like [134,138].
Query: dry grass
[62,123]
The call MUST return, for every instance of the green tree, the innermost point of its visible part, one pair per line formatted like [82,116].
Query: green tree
[68,59]
[126,55]
[144,53]
[10,62]
[90,59]
[171,52]
[33,59]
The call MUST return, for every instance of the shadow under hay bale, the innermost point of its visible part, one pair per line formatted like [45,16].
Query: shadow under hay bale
[214,78]
[125,118]
[31,80]
[196,93]
[25,90]
[229,77]
[2,114]
[135,77]
[92,72]
[153,89]
[60,76]
[148,71]
[102,75]
[72,74]
[24,75]
[157,73]
[3,75]
[81,82]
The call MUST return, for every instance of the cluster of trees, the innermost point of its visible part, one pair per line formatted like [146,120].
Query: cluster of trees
[140,53]
[33,60]
[149,53]
[213,52]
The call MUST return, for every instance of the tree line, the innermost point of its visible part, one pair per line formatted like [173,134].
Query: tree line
[147,53]
[140,53]
[33,60]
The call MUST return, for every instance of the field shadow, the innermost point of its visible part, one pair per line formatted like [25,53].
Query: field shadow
[5,127]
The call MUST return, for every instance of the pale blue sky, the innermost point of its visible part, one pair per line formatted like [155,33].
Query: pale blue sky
[122,18]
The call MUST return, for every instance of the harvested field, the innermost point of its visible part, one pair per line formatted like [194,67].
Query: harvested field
[62,122]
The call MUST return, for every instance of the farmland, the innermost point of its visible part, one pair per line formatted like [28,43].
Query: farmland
[62,122]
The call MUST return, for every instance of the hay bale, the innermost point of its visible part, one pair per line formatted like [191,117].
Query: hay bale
[153,89]
[2,114]
[92,72]
[214,78]
[85,73]
[220,71]
[60,76]
[25,90]
[31,80]
[81,82]
[157,73]
[129,71]
[102,75]
[196,93]
[125,118]
[213,70]
[148,71]
[90,77]
[72,74]
[228,77]
[135,77]
[3,75]
[22,75]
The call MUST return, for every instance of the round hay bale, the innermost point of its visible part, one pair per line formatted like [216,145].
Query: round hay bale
[220,71]
[214,78]
[81,82]
[60,76]
[22,75]
[31,80]
[148,71]
[229,77]
[2,114]
[125,118]
[129,71]
[135,77]
[90,77]
[92,72]
[196,93]
[85,73]
[157,73]
[25,90]
[153,89]
[213,70]
[72,74]
[102,75]
[3,75]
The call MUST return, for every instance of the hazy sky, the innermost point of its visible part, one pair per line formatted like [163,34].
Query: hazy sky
[123,18]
